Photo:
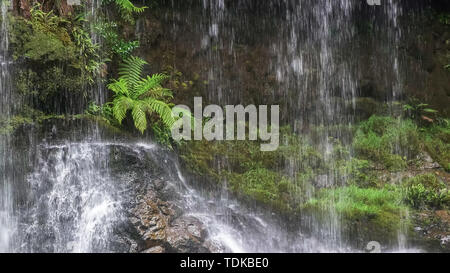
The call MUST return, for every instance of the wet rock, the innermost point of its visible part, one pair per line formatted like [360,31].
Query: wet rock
[156,249]
[162,228]
[429,163]
[445,242]
[187,235]
[433,229]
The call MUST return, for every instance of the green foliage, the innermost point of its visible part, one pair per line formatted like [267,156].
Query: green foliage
[127,6]
[419,112]
[90,58]
[114,44]
[437,143]
[26,116]
[354,202]
[162,134]
[358,172]
[262,185]
[387,141]
[141,96]
[379,211]
[426,191]
[256,175]
[444,18]
[58,54]
[104,111]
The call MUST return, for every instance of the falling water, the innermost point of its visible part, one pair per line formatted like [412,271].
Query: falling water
[93,10]
[74,203]
[315,49]
[6,192]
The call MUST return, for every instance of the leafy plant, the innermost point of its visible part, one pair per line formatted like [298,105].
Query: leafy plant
[105,111]
[419,111]
[115,44]
[426,191]
[58,54]
[90,58]
[444,18]
[127,6]
[387,141]
[437,142]
[141,96]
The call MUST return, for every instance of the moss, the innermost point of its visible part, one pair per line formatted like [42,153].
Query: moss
[387,141]
[375,212]
[29,116]
[264,186]
[358,172]
[437,143]
[48,47]
[59,57]
[256,175]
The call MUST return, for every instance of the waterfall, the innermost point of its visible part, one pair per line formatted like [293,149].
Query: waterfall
[72,198]
[315,49]
[5,83]
[75,200]
[97,92]
[7,222]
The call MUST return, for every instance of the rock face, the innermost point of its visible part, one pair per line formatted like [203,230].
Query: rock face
[155,213]
[162,227]
[434,228]
[152,211]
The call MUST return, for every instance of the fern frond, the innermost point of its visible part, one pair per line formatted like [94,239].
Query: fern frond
[121,106]
[139,117]
[130,71]
[126,5]
[151,86]
[119,87]
[162,109]
[164,93]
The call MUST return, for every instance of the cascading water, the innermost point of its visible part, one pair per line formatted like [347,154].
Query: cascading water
[93,10]
[7,222]
[315,57]
[75,202]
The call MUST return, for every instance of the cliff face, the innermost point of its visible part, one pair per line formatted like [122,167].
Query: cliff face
[328,66]
[253,58]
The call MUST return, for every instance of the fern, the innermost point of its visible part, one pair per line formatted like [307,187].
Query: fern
[141,96]
[127,6]
[139,116]
[130,71]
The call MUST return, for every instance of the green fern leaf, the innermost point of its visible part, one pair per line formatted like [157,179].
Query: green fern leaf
[162,109]
[121,106]
[130,71]
[119,87]
[139,117]
[126,5]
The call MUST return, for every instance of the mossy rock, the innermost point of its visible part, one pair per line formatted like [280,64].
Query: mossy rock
[388,141]
[372,214]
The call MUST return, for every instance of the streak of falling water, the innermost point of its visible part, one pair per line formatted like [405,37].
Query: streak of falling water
[94,11]
[7,222]
[315,57]
[5,80]
[309,64]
